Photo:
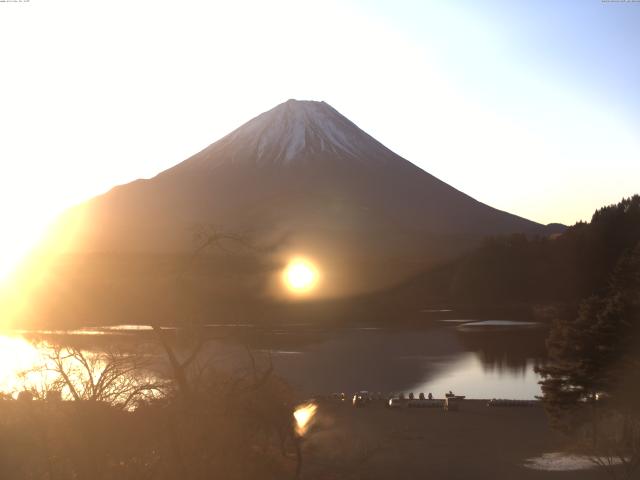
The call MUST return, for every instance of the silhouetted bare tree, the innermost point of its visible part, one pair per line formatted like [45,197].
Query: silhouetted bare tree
[120,379]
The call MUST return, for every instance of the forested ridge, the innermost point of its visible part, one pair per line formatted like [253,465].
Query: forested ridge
[520,269]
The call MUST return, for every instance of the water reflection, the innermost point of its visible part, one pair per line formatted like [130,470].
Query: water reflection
[506,351]
[479,363]
[467,375]
[17,355]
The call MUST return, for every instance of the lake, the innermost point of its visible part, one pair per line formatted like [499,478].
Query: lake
[476,358]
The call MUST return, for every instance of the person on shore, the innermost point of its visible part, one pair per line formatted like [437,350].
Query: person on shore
[430,396]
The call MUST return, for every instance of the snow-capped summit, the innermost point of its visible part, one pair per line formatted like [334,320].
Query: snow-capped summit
[294,131]
[305,166]
[302,180]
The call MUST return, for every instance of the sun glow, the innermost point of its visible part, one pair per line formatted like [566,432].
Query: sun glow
[300,276]
[31,267]
[17,242]
[16,355]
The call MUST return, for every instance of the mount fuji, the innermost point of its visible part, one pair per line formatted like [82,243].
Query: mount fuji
[300,178]
[299,166]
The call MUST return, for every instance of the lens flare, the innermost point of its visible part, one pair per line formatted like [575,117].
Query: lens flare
[303,416]
[300,276]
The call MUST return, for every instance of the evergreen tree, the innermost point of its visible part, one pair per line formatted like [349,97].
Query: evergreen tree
[565,268]
[591,383]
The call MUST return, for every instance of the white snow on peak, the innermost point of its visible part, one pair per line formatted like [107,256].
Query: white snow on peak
[293,126]
[294,130]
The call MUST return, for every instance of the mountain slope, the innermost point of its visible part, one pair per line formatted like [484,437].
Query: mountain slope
[304,165]
[300,178]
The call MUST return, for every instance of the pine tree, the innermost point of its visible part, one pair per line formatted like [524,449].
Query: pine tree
[591,383]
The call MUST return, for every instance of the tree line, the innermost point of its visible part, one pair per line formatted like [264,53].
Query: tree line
[520,269]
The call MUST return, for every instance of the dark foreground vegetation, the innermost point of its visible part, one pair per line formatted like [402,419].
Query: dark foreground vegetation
[115,415]
[107,416]
[588,279]
[591,383]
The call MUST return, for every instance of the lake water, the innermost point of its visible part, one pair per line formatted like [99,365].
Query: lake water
[479,359]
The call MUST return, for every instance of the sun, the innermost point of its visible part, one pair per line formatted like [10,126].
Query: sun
[300,276]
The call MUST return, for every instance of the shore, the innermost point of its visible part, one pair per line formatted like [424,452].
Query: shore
[475,442]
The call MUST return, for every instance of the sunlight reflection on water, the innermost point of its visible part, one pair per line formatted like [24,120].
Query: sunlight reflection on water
[485,362]
[467,375]
[17,355]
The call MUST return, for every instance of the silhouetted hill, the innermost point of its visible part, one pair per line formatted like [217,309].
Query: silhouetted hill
[300,179]
[516,269]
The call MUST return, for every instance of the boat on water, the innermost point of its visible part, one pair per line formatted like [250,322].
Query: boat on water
[453,396]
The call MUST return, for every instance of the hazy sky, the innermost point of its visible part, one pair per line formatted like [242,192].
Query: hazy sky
[530,106]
